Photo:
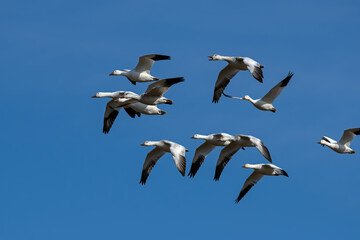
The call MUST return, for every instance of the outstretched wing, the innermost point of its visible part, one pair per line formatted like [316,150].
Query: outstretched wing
[275,91]
[254,68]
[151,159]
[259,145]
[249,183]
[178,153]
[201,153]
[348,136]
[329,140]
[111,112]
[131,112]
[158,88]
[223,80]
[146,62]
[225,155]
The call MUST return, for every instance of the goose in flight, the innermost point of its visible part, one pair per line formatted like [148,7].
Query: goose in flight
[260,170]
[211,142]
[235,65]
[114,106]
[177,151]
[239,141]
[141,73]
[265,103]
[343,146]
[154,93]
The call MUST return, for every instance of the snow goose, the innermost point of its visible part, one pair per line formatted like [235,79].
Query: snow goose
[265,103]
[141,73]
[114,106]
[239,141]
[235,65]
[177,151]
[211,141]
[343,146]
[154,93]
[260,170]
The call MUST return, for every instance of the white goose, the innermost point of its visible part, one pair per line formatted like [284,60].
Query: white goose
[211,142]
[114,106]
[260,170]
[154,93]
[235,65]
[265,103]
[141,73]
[239,141]
[177,151]
[343,146]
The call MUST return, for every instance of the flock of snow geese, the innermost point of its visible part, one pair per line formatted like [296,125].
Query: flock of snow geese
[146,103]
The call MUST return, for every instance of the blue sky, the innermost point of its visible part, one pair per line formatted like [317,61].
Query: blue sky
[61,178]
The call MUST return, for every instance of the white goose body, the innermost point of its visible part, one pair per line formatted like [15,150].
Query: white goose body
[177,151]
[235,65]
[266,103]
[141,73]
[260,170]
[154,93]
[238,142]
[343,146]
[114,106]
[211,141]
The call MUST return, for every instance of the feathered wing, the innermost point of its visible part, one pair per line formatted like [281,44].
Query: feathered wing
[200,154]
[275,91]
[225,155]
[146,62]
[249,183]
[151,159]
[328,139]
[254,68]
[223,80]
[259,145]
[111,111]
[348,136]
[178,153]
[131,112]
[160,87]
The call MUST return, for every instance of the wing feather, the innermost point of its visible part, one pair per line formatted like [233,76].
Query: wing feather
[249,183]
[348,136]
[225,155]
[223,80]
[200,154]
[146,62]
[275,91]
[151,159]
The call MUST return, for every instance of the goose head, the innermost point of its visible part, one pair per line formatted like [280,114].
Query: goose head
[246,97]
[148,143]
[196,136]
[97,95]
[119,73]
[214,57]
[322,142]
[247,166]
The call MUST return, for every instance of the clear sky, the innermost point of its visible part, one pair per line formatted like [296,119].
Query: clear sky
[62,178]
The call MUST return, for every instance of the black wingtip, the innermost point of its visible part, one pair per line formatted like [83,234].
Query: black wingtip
[287,79]
[215,99]
[284,173]
[172,81]
[159,57]
[357,132]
